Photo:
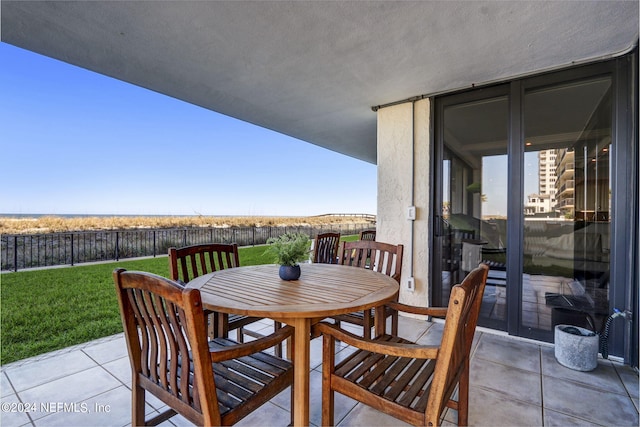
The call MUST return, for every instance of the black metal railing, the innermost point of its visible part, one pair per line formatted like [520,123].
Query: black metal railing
[21,251]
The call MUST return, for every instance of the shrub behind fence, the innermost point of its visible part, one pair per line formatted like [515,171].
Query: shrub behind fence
[19,251]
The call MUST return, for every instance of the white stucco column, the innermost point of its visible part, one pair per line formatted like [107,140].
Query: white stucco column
[403,181]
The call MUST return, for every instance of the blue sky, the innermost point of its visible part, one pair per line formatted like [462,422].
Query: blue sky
[77,142]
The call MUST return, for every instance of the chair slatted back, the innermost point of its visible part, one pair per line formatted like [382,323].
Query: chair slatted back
[165,327]
[377,256]
[457,338]
[368,235]
[190,262]
[325,249]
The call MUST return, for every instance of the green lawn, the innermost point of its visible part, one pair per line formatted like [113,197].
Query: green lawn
[46,310]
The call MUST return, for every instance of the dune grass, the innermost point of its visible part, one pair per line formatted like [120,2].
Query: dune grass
[54,224]
[46,310]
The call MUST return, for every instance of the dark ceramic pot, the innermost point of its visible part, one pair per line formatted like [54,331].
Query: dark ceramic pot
[288,272]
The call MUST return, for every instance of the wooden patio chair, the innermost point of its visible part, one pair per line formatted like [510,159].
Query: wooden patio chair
[411,382]
[377,256]
[325,249]
[210,383]
[368,235]
[189,262]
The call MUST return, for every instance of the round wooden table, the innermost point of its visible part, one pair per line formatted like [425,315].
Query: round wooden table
[323,290]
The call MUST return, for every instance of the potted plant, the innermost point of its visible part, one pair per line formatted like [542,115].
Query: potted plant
[289,250]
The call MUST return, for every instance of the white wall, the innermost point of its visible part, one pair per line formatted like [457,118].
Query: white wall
[403,180]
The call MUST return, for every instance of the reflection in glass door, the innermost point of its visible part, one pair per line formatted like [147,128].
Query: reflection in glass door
[474,200]
[567,211]
[530,178]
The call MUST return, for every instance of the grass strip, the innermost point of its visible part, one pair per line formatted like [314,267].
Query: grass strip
[47,310]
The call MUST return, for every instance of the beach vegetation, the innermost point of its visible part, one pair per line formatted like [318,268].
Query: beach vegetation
[55,224]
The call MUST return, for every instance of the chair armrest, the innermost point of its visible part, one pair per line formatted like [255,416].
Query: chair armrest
[393,349]
[251,347]
[426,311]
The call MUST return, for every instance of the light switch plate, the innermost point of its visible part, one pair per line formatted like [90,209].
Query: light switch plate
[411,213]
[411,284]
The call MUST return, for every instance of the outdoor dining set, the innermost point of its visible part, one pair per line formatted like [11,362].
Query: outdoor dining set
[177,333]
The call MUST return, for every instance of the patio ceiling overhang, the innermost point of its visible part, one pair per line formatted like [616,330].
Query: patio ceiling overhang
[313,70]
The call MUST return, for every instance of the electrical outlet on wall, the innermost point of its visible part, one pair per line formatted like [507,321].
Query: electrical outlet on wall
[411,284]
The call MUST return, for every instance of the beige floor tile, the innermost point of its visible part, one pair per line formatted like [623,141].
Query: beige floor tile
[557,419]
[432,336]
[489,408]
[363,415]
[108,350]
[264,326]
[604,377]
[112,408]
[412,329]
[511,382]
[14,412]
[176,421]
[70,390]
[630,379]
[342,404]
[508,351]
[266,415]
[5,386]
[581,401]
[121,369]
[49,369]
[315,356]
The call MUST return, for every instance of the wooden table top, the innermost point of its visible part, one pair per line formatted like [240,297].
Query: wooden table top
[322,290]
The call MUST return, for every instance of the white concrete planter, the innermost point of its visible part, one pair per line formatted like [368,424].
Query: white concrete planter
[578,352]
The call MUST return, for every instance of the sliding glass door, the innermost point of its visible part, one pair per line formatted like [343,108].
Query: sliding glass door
[567,209]
[473,208]
[533,178]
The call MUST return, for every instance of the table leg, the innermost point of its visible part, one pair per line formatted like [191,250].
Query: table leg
[301,362]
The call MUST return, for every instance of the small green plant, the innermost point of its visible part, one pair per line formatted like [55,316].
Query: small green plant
[474,188]
[289,248]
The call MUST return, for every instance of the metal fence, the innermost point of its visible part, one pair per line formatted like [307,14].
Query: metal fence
[20,251]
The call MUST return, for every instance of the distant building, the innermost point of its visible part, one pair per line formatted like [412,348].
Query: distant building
[545,200]
[538,203]
[565,182]
[547,173]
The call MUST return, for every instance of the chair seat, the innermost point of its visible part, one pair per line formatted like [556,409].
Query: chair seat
[238,380]
[357,317]
[401,381]
[238,320]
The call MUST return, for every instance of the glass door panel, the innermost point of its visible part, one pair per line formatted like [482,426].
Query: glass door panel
[567,210]
[474,200]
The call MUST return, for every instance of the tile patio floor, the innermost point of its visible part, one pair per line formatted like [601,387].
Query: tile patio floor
[513,383]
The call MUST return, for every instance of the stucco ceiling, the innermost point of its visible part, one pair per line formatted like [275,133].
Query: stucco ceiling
[313,70]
